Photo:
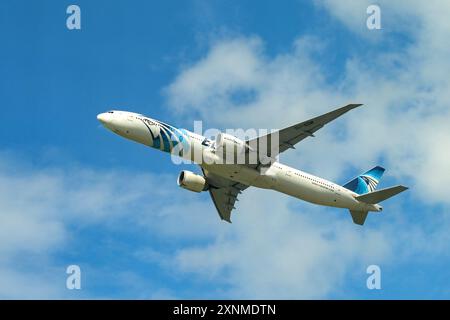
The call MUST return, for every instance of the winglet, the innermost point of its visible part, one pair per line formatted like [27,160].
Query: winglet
[353,105]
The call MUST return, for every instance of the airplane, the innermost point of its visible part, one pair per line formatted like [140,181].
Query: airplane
[225,181]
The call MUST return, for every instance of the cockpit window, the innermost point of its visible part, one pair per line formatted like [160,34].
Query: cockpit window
[110,111]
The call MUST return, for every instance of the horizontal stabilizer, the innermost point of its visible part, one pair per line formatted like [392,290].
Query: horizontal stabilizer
[359,217]
[380,195]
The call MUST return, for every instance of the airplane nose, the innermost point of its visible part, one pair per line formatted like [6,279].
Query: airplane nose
[102,117]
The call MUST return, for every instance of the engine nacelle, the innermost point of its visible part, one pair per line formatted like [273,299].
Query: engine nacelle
[230,144]
[191,181]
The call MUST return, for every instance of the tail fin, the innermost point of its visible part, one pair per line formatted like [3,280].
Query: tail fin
[366,182]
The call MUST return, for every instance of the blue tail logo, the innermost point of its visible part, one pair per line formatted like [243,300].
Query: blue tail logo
[367,182]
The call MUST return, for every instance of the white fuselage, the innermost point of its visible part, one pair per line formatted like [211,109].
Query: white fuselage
[277,177]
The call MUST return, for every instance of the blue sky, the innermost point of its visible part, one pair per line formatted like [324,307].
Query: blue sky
[73,193]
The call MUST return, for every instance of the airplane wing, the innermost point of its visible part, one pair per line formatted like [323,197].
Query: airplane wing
[224,193]
[292,135]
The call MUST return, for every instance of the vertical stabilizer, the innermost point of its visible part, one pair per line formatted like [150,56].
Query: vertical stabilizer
[366,182]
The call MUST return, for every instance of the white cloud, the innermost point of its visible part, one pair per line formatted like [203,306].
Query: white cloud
[43,211]
[31,284]
[214,86]
[405,115]
[277,252]
[273,251]
[276,247]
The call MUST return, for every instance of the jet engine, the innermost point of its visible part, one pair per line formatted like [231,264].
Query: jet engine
[191,181]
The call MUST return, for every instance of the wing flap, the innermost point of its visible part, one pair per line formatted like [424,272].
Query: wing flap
[224,193]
